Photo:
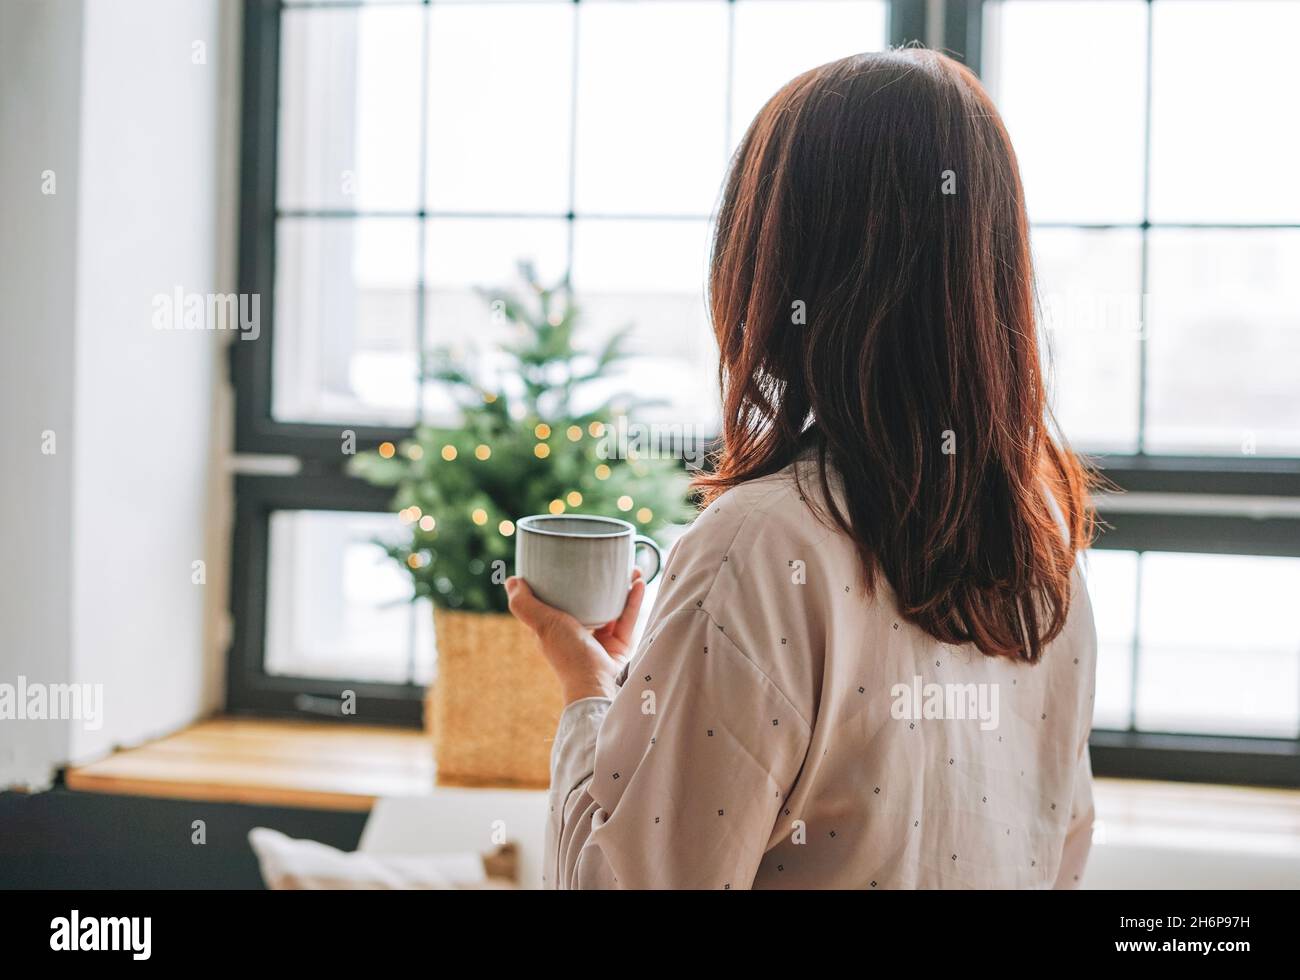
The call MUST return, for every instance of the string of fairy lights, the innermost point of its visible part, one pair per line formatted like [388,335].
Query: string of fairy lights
[483,452]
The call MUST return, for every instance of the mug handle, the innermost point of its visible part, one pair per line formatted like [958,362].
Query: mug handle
[642,541]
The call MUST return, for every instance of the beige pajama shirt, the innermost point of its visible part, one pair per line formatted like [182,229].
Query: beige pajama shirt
[780,728]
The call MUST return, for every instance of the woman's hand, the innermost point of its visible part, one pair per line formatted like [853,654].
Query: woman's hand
[586,663]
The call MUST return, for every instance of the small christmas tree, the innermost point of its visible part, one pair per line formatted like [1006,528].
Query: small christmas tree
[517,452]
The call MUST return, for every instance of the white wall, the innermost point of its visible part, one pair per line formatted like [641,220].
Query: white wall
[137,498]
[148,223]
[40,93]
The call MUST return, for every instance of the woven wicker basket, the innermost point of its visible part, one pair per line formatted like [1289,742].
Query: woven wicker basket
[493,708]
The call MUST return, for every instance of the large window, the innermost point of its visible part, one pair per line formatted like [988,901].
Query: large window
[1166,235]
[402,156]
[1166,230]
[399,156]
[424,148]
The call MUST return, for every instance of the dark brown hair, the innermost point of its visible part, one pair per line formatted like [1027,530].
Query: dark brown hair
[872,293]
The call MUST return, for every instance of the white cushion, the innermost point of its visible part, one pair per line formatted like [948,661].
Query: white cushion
[287,863]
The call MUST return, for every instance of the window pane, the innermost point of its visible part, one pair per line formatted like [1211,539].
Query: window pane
[294,3]
[1220,645]
[1090,296]
[337,606]
[466,255]
[1224,348]
[345,337]
[775,40]
[315,3]
[651,274]
[1069,79]
[1224,131]
[350,108]
[500,98]
[651,106]
[1112,587]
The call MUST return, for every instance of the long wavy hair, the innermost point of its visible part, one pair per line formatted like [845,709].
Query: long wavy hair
[872,293]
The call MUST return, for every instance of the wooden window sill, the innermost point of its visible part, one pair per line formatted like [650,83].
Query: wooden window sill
[1197,817]
[317,765]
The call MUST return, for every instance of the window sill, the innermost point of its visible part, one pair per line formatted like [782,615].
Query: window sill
[314,765]
[1197,817]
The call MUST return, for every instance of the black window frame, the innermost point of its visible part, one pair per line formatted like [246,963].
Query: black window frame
[1141,753]
[320,482]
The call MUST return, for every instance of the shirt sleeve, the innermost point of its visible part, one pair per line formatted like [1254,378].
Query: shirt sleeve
[678,781]
[1078,834]
[1078,837]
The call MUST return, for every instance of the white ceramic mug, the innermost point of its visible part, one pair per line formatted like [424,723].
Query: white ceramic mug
[581,564]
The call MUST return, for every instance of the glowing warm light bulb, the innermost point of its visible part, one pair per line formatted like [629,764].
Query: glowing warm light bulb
[449,452]
[541,450]
[506,528]
[427,523]
[574,498]
[405,516]
[482,451]
[543,431]
[596,429]
[479,516]
[644,515]
[624,502]
[603,472]
[386,450]
[556,507]
[414,561]
[574,432]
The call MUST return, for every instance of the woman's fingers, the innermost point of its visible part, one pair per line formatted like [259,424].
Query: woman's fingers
[527,608]
[626,622]
[616,635]
[541,618]
[586,665]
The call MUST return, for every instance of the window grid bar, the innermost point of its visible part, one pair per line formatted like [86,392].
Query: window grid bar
[287,5]
[421,281]
[1137,644]
[1177,225]
[1144,260]
[421,234]
[487,215]
[436,213]
[727,121]
[570,231]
